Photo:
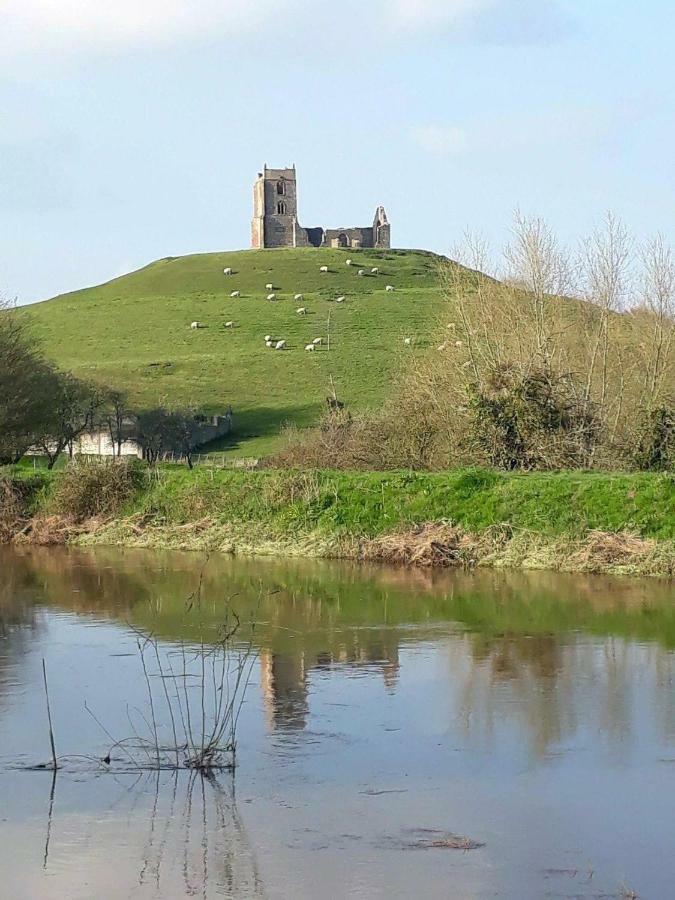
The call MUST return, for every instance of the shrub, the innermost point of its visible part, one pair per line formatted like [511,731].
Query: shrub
[656,440]
[532,421]
[88,488]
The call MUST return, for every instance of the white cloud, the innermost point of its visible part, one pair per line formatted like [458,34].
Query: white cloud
[62,26]
[428,14]
[53,24]
[553,127]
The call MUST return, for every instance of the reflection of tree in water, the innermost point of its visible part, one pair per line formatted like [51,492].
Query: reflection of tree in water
[18,619]
[554,686]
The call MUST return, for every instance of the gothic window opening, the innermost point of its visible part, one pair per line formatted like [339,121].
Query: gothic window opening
[281,188]
[281,208]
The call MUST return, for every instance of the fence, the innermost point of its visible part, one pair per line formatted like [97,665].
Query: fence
[213,460]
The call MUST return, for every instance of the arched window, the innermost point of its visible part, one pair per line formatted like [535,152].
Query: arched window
[281,208]
[281,188]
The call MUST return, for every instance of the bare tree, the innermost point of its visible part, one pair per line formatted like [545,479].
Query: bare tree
[657,295]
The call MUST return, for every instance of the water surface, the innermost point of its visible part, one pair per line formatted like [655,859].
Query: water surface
[531,713]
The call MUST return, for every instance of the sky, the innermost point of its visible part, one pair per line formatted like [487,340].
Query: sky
[134,130]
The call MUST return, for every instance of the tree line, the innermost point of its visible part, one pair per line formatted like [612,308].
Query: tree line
[546,359]
[45,410]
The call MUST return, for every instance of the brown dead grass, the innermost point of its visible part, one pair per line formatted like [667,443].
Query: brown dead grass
[437,545]
[49,531]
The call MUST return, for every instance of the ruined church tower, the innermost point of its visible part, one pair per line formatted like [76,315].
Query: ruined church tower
[275,210]
[275,219]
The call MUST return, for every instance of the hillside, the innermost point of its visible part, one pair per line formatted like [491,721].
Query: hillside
[134,332]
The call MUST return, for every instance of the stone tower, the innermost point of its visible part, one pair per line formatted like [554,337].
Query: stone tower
[275,210]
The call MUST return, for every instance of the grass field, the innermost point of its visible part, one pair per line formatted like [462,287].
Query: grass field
[134,332]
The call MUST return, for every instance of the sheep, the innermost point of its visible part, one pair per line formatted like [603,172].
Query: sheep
[317,341]
[442,347]
[309,346]
[302,311]
[195,324]
[280,345]
[269,287]
[348,262]
[323,269]
[298,298]
[268,337]
[227,271]
[271,296]
[235,294]
[340,299]
[270,343]
[375,271]
[407,341]
[389,288]
[459,343]
[229,324]
[361,272]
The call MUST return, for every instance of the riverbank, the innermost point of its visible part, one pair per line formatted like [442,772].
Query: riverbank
[568,521]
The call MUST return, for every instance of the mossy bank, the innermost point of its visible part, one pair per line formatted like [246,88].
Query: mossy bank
[621,523]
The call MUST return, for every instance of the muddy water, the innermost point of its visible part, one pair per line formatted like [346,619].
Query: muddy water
[403,734]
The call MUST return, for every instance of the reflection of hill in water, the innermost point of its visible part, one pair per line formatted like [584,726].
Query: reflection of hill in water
[514,631]
[321,601]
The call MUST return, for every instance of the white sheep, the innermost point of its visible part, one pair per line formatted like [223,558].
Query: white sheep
[280,345]
[298,297]
[389,288]
[442,347]
[302,311]
[323,269]
[340,299]
[309,346]
[317,341]
[195,324]
[229,324]
[459,343]
[268,337]
[269,287]
[375,271]
[227,271]
[348,262]
[271,296]
[361,272]
[235,294]
[407,341]
[270,343]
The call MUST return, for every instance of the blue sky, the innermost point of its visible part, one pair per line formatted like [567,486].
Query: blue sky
[134,130]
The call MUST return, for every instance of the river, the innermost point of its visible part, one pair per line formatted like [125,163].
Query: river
[403,733]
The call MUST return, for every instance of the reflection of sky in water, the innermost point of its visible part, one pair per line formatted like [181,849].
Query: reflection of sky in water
[550,747]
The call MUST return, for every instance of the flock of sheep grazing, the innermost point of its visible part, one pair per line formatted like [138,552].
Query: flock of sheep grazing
[279,343]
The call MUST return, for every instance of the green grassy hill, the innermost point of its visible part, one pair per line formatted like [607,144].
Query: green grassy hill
[134,332]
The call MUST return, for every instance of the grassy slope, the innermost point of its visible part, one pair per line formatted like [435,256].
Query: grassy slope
[133,332]
[367,504]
